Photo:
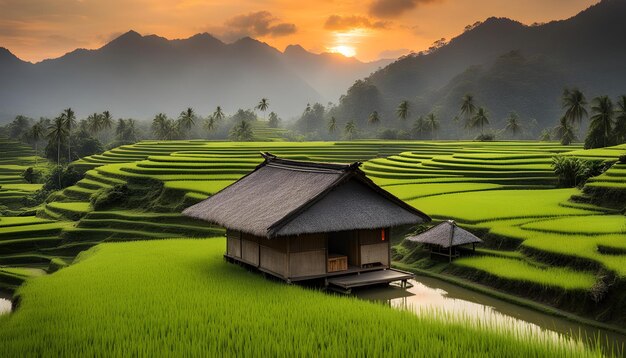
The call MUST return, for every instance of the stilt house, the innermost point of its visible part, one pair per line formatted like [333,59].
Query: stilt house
[300,220]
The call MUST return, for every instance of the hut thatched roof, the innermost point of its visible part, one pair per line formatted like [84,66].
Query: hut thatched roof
[446,234]
[286,197]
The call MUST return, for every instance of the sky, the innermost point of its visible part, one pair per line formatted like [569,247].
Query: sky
[368,29]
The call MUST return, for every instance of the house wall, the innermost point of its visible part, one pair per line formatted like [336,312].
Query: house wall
[250,249]
[372,248]
[307,255]
[233,243]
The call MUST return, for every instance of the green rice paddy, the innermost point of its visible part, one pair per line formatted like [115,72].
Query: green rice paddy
[536,235]
[178,297]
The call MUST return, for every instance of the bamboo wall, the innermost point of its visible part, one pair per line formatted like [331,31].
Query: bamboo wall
[306,255]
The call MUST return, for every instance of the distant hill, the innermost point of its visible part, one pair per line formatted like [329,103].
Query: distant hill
[138,76]
[508,66]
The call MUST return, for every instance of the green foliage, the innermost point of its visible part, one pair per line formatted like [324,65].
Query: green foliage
[273,121]
[107,198]
[361,99]
[486,137]
[600,133]
[125,131]
[228,312]
[242,132]
[312,119]
[30,175]
[573,172]
[61,177]
[242,115]
[574,103]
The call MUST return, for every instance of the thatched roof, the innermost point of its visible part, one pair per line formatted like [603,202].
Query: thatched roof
[446,234]
[286,197]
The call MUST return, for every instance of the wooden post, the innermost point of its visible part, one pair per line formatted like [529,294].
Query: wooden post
[388,238]
[326,259]
[450,253]
[288,261]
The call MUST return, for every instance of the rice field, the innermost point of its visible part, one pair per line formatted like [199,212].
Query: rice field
[15,158]
[519,270]
[503,191]
[125,299]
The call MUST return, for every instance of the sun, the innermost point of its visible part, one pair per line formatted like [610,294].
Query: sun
[345,50]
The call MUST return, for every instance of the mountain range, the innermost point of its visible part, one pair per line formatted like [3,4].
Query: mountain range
[507,66]
[139,76]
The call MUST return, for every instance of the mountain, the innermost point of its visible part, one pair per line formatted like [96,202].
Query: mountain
[507,66]
[330,73]
[139,76]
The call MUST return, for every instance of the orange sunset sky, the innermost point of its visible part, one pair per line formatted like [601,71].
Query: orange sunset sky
[368,29]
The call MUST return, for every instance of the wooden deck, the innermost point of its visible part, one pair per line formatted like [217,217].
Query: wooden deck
[348,282]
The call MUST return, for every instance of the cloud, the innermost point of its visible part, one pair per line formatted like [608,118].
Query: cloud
[394,8]
[337,22]
[260,23]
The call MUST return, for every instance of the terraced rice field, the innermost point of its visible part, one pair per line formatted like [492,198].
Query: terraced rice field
[503,191]
[179,298]
[15,158]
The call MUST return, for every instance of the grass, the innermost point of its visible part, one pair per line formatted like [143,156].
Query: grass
[522,271]
[595,225]
[475,207]
[193,303]
[505,189]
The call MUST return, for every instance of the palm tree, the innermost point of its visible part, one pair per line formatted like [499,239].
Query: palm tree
[263,105]
[573,102]
[350,130]
[565,132]
[186,119]
[512,124]
[620,120]
[274,120]
[332,125]
[161,126]
[468,108]
[545,135]
[373,118]
[69,120]
[125,130]
[420,127]
[36,133]
[120,128]
[480,119]
[601,123]
[218,115]
[210,124]
[57,132]
[106,120]
[94,123]
[242,132]
[432,122]
[403,110]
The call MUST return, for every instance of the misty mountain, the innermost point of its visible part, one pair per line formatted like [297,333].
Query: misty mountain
[139,76]
[508,66]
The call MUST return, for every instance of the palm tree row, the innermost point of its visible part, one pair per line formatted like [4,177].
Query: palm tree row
[607,121]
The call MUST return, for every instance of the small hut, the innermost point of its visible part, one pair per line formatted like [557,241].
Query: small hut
[445,238]
[301,220]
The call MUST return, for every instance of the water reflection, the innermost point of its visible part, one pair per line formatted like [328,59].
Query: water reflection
[5,306]
[466,306]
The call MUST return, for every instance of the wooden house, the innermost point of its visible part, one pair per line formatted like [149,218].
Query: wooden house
[300,220]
